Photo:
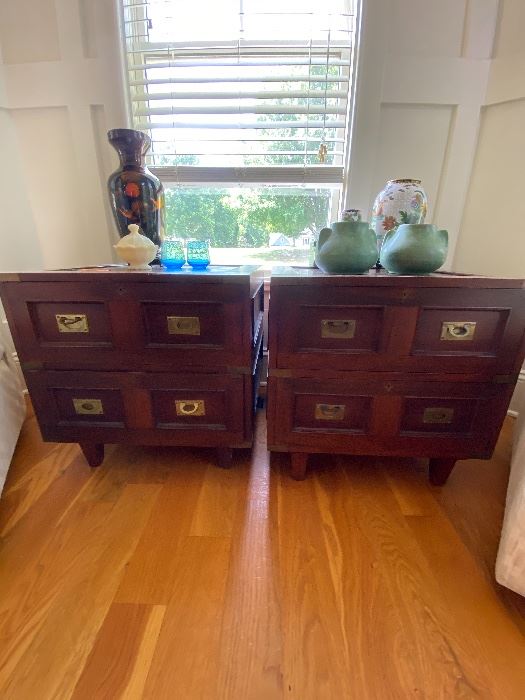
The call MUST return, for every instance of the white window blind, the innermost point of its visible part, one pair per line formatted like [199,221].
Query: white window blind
[242,90]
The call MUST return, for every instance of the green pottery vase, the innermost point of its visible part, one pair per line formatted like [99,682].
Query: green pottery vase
[414,249]
[347,248]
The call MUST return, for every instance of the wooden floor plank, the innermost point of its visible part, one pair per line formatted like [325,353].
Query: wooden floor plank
[218,501]
[380,655]
[446,654]
[500,641]
[158,575]
[120,661]
[50,628]
[153,569]
[19,497]
[185,664]
[315,657]
[251,627]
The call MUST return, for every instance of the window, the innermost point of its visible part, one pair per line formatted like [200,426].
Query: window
[248,106]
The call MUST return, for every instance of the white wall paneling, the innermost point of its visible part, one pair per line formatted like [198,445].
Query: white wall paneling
[492,239]
[57,97]
[423,72]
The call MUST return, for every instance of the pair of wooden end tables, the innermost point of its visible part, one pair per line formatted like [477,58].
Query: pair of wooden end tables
[374,364]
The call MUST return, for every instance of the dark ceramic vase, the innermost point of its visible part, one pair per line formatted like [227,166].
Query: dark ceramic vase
[135,194]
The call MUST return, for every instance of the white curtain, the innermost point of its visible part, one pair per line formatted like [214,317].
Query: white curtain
[12,404]
[510,563]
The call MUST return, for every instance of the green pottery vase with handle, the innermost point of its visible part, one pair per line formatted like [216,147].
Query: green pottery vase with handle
[347,248]
[414,249]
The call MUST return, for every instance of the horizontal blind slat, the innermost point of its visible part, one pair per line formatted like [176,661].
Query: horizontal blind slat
[269,125]
[242,79]
[246,94]
[243,62]
[240,109]
[286,174]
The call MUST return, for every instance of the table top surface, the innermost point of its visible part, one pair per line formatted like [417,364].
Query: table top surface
[312,276]
[212,274]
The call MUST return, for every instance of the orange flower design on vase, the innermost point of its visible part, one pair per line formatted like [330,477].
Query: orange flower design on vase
[132,189]
[389,223]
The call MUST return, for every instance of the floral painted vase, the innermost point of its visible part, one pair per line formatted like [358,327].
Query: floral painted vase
[399,202]
[135,194]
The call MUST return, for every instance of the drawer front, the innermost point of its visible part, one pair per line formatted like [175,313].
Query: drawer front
[114,325]
[59,324]
[381,418]
[175,324]
[139,407]
[463,331]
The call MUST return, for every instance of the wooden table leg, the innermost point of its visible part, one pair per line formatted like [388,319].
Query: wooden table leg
[93,452]
[439,470]
[224,457]
[299,460]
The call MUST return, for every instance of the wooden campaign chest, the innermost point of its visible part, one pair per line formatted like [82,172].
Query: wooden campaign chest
[153,358]
[381,364]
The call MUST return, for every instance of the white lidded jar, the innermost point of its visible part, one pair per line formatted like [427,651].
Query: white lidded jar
[135,249]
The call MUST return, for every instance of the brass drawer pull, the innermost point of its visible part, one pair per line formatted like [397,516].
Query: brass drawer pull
[72,323]
[458,330]
[329,411]
[438,415]
[183,325]
[87,407]
[337,328]
[190,408]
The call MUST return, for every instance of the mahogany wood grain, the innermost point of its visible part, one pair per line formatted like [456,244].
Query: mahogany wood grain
[224,457]
[439,470]
[372,351]
[299,462]
[129,365]
[93,452]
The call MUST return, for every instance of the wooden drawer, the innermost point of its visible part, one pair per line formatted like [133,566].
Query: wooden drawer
[372,416]
[113,325]
[171,409]
[475,332]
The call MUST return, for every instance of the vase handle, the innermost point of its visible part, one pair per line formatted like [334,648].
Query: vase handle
[387,237]
[324,235]
[443,235]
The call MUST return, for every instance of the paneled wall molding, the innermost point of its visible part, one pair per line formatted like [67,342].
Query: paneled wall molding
[404,84]
[423,70]
[435,80]
[507,80]
[57,84]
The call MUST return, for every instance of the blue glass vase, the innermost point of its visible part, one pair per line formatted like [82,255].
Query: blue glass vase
[172,253]
[198,254]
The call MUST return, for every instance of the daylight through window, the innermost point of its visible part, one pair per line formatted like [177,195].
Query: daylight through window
[248,106]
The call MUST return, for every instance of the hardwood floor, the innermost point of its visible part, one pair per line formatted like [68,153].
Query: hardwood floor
[160,575]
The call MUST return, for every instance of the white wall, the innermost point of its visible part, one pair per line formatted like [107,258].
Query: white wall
[60,91]
[492,239]
[423,74]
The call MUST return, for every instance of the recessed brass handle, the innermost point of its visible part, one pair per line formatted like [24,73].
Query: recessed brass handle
[72,323]
[329,411]
[337,328]
[88,407]
[458,330]
[438,415]
[190,408]
[183,325]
